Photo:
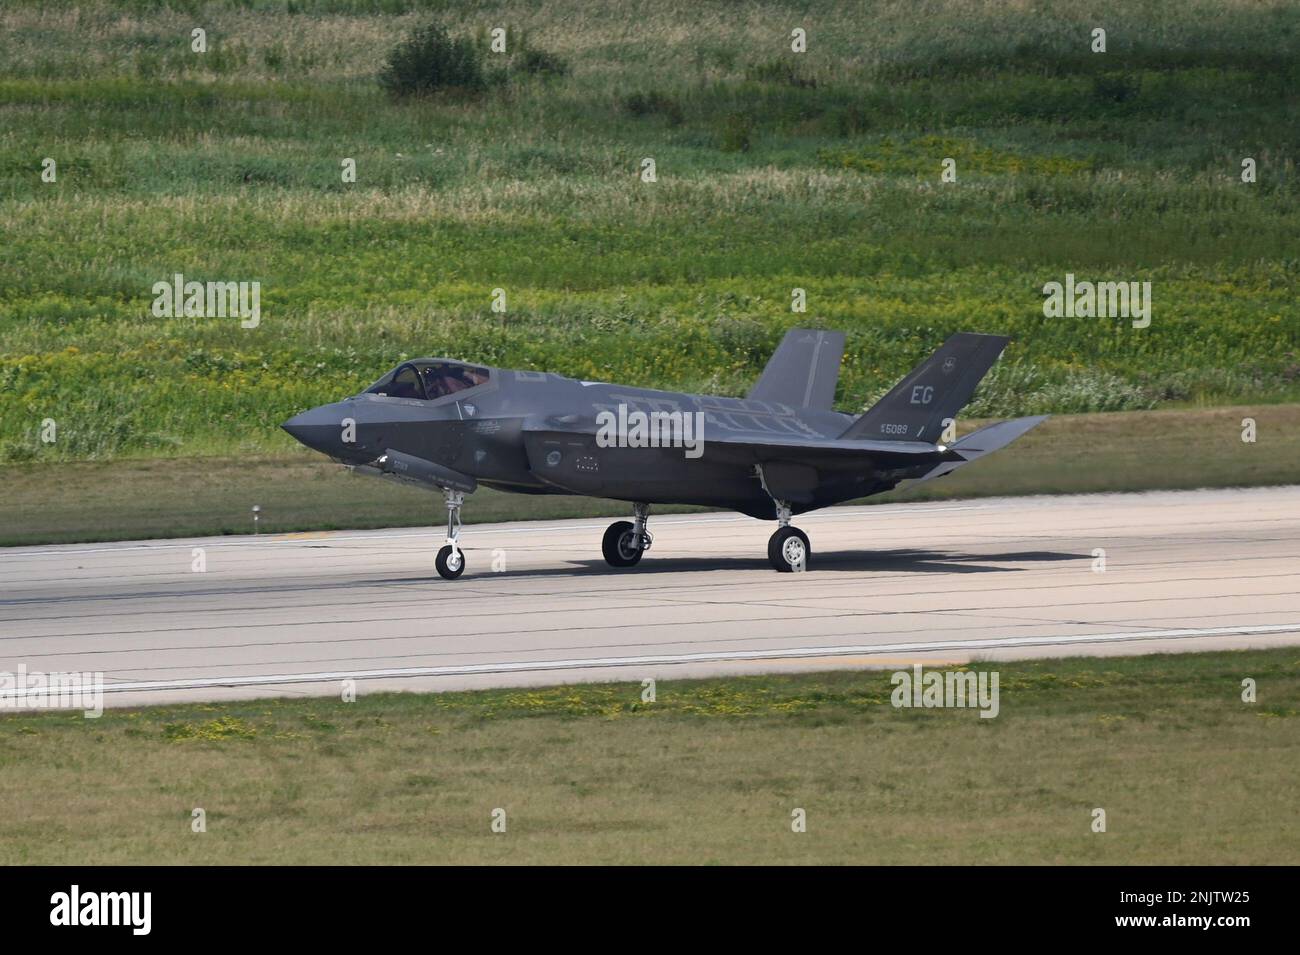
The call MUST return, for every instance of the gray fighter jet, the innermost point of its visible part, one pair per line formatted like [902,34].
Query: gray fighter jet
[780,451]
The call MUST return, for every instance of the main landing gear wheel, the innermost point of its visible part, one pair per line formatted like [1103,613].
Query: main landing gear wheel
[450,562]
[620,546]
[625,541]
[788,550]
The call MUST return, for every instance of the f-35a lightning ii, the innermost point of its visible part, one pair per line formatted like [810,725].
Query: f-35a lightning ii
[780,451]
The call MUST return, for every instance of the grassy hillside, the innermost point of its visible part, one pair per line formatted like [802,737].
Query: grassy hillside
[775,170]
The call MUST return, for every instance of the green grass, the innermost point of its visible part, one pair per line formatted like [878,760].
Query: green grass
[183,497]
[776,171]
[709,773]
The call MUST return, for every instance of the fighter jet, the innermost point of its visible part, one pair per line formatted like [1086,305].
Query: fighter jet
[780,451]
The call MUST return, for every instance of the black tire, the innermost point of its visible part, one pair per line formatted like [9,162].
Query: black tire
[617,545]
[785,546]
[447,568]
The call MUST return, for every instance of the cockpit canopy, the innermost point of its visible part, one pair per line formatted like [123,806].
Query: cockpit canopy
[429,379]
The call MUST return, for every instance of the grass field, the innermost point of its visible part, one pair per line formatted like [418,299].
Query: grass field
[708,773]
[776,170]
[131,498]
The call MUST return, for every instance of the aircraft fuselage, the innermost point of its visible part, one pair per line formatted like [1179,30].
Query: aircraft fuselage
[538,433]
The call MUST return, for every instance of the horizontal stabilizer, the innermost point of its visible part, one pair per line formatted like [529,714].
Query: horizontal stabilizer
[995,436]
[979,443]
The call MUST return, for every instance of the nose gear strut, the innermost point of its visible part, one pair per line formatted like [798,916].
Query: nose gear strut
[451,559]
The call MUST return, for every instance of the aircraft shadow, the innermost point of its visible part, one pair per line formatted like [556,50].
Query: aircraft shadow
[881,561]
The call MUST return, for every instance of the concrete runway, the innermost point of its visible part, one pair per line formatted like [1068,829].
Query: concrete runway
[888,585]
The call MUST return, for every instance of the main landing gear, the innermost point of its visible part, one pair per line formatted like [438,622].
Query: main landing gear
[788,549]
[626,541]
[451,559]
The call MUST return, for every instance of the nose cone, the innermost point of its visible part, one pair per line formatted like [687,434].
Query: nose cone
[322,429]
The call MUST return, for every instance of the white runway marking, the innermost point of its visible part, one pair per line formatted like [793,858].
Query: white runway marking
[527,666]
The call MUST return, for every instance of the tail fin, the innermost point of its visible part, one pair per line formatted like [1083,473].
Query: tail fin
[803,370]
[939,387]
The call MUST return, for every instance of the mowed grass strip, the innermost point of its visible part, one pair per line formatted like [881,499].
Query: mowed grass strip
[708,773]
[200,496]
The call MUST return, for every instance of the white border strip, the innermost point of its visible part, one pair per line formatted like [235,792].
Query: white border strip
[528,666]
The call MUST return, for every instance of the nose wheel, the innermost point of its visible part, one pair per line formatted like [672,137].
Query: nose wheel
[625,541]
[450,562]
[451,559]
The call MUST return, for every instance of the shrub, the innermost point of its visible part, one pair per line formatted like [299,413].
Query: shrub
[1115,88]
[780,71]
[429,61]
[848,121]
[17,452]
[736,131]
[654,103]
[538,62]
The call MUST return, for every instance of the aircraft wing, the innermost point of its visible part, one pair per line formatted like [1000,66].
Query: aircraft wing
[748,448]
[883,455]
[793,466]
[825,452]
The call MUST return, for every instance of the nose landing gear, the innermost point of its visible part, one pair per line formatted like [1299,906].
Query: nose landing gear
[626,541]
[451,559]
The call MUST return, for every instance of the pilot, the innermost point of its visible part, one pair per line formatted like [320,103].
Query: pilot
[455,379]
